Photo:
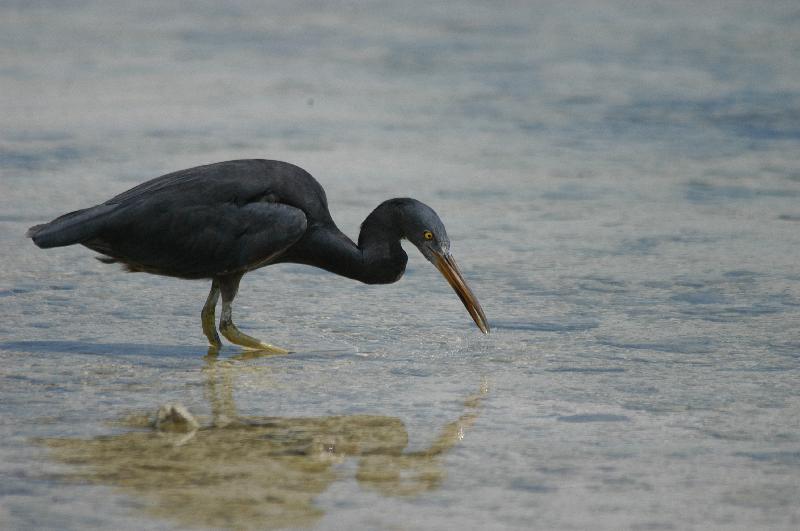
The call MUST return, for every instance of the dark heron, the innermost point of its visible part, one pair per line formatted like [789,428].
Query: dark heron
[222,220]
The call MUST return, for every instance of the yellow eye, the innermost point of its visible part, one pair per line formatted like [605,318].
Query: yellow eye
[428,235]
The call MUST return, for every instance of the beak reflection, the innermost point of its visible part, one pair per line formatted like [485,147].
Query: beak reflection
[447,266]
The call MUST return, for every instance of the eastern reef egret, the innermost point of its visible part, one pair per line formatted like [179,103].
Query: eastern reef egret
[222,220]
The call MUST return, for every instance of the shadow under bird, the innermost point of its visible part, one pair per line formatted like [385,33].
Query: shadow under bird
[222,220]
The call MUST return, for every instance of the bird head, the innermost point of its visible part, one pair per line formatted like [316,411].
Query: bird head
[421,226]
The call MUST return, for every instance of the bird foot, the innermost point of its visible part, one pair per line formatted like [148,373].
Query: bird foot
[237,337]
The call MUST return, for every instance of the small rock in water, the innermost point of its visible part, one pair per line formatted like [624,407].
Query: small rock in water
[175,418]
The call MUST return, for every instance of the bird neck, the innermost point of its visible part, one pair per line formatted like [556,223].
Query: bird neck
[378,257]
[382,256]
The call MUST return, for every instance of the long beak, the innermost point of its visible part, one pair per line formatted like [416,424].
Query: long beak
[447,266]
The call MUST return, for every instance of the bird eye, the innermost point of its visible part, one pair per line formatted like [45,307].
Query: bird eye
[428,235]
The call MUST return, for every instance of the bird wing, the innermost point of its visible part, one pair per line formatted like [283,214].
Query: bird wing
[183,179]
[237,181]
[199,241]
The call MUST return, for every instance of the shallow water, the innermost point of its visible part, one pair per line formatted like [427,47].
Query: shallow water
[620,182]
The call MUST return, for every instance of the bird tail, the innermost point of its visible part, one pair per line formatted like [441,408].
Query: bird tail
[75,227]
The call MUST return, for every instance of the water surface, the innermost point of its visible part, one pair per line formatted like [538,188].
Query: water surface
[620,182]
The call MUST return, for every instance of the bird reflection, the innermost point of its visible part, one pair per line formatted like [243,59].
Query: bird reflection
[255,472]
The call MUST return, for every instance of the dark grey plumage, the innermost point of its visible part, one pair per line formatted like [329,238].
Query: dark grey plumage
[222,220]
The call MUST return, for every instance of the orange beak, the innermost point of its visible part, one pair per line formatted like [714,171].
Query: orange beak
[448,268]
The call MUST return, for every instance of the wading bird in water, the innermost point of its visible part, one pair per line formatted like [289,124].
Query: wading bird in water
[222,220]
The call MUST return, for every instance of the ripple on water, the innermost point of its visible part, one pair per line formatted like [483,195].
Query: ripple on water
[40,157]
[545,326]
[679,345]
[588,370]
[785,457]
[534,487]
[594,417]
[702,192]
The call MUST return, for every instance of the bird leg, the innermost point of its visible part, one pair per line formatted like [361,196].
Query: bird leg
[229,286]
[207,318]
